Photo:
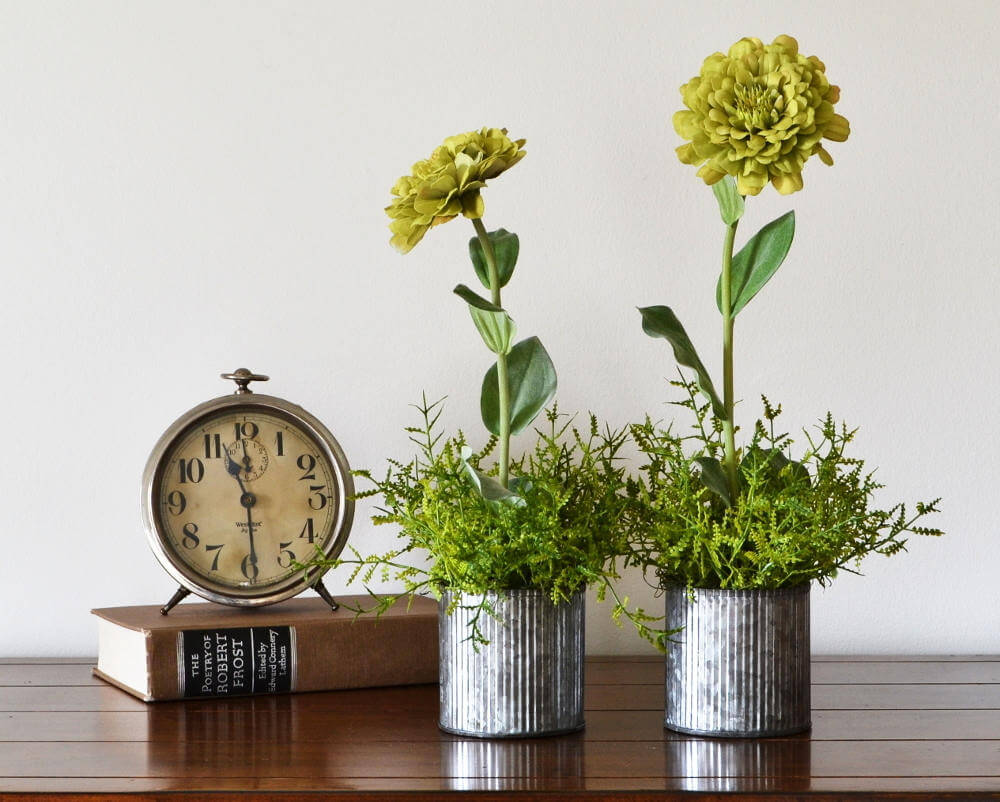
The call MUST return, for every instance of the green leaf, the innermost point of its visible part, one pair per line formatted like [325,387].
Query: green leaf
[660,321]
[489,488]
[729,198]
[773,462]
[758,260]
[531,377]
[714,478]
[494,324]
[521,484]
[505,249]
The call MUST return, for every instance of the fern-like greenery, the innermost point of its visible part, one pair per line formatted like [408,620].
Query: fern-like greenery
[793,521]
[561,529]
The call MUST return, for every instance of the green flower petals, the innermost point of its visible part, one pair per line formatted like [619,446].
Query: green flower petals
[448,184]
[757,114]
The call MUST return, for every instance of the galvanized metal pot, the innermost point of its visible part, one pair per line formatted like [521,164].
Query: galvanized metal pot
[527,681]
[740,666]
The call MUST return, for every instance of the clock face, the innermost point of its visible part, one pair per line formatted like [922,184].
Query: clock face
[240,495]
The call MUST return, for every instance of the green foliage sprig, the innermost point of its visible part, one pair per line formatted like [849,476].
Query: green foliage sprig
[561,530]
[793,522]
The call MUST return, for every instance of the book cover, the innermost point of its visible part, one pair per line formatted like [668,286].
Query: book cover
[204,650]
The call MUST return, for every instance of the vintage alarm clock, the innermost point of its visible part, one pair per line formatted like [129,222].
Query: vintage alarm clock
[241,489]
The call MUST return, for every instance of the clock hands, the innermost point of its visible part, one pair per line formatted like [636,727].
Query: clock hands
[246,457]
[247,500]
[234,469]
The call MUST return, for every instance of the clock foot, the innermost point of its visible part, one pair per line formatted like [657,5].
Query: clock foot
[324,594]
[180,594]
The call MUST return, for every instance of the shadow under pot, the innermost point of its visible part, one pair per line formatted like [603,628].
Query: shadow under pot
[527,681]
[739,667]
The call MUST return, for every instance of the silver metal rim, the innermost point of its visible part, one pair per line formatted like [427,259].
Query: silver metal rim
[794,590]
[286,588]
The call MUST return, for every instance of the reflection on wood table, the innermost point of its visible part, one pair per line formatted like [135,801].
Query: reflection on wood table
[883,727]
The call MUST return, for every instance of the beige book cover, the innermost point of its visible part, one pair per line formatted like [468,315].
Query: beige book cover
[205,650]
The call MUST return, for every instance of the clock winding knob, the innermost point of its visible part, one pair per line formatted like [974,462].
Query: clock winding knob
[243,377]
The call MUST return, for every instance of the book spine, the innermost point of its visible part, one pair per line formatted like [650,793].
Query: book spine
[310,656]
[220,662]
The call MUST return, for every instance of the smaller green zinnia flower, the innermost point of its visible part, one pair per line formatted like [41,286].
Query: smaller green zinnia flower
[448,183]
[757,114]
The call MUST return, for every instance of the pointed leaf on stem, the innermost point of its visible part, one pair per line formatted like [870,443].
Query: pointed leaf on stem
[774,463]
[660,321]
[714,478]
[532,382]
[489,488]
[505,249]
[494,325]
[731,204]
[758,260]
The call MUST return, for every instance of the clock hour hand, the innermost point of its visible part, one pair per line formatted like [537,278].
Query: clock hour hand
[232,467]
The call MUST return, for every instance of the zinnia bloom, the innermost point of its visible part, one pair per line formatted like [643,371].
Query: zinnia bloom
[757,114]
[448,183]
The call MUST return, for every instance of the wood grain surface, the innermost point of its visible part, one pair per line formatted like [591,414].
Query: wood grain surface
[883,728]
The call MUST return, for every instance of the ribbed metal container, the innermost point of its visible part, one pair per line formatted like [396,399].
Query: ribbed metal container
[740,666]
[527,681]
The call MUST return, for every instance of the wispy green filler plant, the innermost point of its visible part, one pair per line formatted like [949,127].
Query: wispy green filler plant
[564,537]
[794,522]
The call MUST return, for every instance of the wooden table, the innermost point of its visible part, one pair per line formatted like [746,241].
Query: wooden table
[884,727]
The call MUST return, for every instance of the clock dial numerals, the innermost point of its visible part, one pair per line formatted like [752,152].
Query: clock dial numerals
[245,428]
[246,495]
[189,536]
[213,446]
[286,558]
[249,567]
[176,502]
[191,470]
[307,462]
[215,559]
[318,499]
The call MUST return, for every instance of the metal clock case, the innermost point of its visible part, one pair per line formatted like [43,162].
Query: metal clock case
[241,488]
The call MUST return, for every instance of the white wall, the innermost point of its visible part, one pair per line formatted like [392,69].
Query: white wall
[188,187]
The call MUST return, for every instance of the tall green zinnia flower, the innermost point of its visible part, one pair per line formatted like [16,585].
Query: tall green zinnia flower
[448,183]
[757,114]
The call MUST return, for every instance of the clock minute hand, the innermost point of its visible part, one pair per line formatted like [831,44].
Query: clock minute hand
[246,457]
[247,500]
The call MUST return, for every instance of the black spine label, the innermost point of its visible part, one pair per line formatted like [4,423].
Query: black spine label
[237,662]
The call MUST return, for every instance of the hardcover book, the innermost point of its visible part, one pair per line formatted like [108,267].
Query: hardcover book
[207,650]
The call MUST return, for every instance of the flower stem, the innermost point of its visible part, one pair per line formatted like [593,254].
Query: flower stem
[502,380]
[728,424]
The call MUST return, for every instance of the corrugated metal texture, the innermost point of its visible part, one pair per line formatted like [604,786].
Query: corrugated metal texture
[740,667]
[527,681]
